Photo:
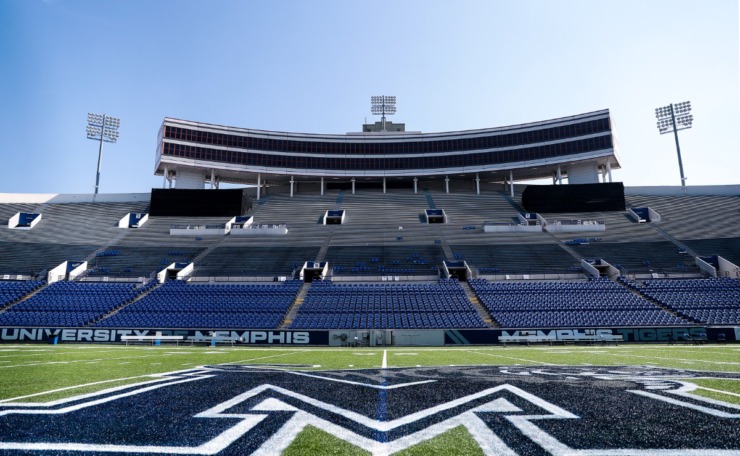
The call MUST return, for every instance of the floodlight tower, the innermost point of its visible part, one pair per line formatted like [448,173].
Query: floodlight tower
[672,118]
[103,128]
[382,105]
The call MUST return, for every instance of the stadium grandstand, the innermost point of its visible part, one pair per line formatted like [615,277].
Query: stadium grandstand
[384,236]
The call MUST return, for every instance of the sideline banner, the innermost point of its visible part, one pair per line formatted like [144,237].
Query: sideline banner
[648,334]
[249,337]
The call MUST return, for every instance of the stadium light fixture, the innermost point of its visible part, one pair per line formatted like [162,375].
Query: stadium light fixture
[382,105]
[671,119]
[103,128]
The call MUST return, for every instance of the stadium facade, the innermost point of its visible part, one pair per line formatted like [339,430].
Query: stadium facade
[581,148]
[448,257]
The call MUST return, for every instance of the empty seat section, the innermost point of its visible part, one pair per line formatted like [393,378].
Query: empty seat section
[707,301]
[11,291]
[386,306]
[177,304]
[595,303]
[68,304]
[418,260]
[256,261]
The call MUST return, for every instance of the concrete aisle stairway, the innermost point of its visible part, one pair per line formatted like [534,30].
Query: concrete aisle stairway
[482,311]
[293,310]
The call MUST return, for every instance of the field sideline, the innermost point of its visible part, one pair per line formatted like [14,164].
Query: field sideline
[46,374]
[38,369]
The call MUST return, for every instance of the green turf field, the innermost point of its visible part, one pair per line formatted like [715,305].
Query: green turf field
[43,373]
[52,372]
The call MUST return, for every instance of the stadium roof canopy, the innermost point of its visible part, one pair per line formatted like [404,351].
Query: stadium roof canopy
[581,148]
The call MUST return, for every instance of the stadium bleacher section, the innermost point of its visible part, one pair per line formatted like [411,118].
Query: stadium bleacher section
[595,303]
[12,291]
[386,306]
[714,301]
[383,238]
[177,304]
[68,304]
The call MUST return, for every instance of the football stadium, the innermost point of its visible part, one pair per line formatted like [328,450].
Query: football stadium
[378,292]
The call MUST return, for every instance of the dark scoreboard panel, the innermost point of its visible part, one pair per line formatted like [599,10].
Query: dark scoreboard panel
[199,203]
[574,198]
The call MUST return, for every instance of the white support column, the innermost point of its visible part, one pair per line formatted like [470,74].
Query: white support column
[416,182]
[259,185]
[384,185]
[609,169]
[560,175]
[322,185]
[477,184]
[447,184]
[353,185]
[291,186]
[554,178]
[165,177]
[511,181]
[213,178]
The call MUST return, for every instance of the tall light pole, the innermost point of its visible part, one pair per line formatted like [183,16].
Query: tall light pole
[381,105]
[103,128]
[672,118]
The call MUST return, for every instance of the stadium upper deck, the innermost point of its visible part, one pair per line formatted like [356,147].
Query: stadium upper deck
[581,147]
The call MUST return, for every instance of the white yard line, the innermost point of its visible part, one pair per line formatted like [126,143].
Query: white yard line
[384,365]
[268,357]
[48,363]
[510,357]
[676,359]
[717,391]
[67,388]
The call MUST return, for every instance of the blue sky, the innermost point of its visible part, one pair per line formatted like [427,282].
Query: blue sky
[311,66]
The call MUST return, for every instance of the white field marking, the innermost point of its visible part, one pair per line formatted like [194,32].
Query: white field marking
[350,382]
[267,357]
[351,365]
[384,364]
[84,396]
[74,408]
[337,380]
[509,357]
[78,361]
[58,354]
[678,359]
[698,408]
[569,352]
[213,446]
[688,386]
[84,385]
[405,354]
[729,393]
[46,352]
[365,354]
[384,426]
[489,442]
[551,445]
